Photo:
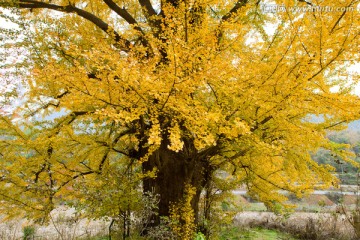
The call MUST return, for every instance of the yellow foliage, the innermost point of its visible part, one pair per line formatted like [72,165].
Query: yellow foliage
[182,215]
[222,85]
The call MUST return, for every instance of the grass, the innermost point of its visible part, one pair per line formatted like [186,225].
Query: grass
[97,238]
[253,226]
[234,233]
[254,234]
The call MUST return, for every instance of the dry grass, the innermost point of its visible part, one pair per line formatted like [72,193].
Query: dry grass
[67,225]
[64,225]
[314,226]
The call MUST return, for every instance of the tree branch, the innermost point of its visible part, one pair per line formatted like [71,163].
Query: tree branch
[238,5]
[122,12]
[146,4]
[257,125]
[173,3]
[335,124]
[121,42]
[75,177]
[101,165]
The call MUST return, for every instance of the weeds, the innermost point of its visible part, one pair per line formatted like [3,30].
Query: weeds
[309,226]
[28,232]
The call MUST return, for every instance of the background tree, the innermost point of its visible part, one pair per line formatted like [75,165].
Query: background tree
[347,139]
[178,90]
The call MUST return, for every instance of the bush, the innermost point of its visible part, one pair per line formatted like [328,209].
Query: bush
[28,232]
[335,197]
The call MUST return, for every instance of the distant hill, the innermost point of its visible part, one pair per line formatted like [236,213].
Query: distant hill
[354,126]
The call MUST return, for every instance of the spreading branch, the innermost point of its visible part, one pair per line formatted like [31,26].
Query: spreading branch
[121,42]
[233,11]
[122,12]
[228,16]
[149,10]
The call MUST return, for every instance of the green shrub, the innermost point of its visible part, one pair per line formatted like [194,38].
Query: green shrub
[28,232]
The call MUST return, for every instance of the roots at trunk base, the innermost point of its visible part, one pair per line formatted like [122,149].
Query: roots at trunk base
[177,178]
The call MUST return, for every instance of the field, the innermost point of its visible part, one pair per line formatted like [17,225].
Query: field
[316,217]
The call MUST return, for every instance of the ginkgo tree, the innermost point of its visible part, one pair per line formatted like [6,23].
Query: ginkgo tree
[177,90]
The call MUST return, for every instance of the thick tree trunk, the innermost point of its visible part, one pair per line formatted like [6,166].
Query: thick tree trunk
[174,172]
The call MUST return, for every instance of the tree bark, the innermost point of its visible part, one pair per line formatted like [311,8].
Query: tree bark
[175,171]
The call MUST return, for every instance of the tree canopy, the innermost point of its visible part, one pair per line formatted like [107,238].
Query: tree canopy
[173,91]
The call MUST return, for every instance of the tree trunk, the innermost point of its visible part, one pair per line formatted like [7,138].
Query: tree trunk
[175,171]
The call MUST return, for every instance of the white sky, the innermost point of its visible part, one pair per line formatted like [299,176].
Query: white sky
[355,69]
